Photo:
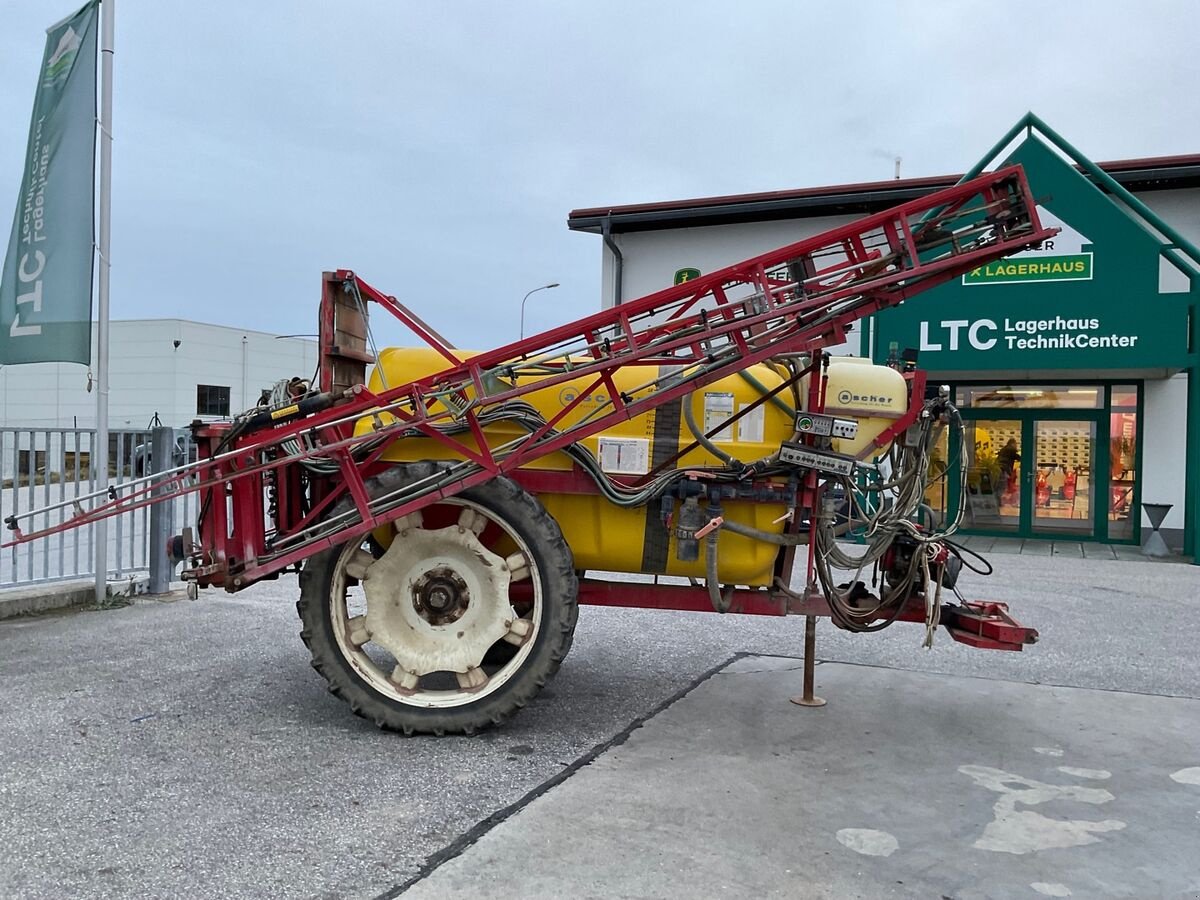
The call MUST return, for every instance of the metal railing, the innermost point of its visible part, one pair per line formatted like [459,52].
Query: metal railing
[41,467]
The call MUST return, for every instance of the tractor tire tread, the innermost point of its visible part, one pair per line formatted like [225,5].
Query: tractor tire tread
[560,586]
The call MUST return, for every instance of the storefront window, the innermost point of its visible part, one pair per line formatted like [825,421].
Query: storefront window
[994,454]
[1124,396]
[1047,460]
[1122,450]
[1031,397]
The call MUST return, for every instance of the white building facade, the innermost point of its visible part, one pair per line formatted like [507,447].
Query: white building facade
[175,369]
[1099,432]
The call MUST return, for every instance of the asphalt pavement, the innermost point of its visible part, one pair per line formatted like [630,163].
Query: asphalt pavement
[187,748]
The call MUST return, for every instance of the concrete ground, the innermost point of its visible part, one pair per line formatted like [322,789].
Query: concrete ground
[911,785]
[188,748]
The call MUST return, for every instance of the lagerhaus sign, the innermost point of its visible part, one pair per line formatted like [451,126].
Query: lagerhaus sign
[1060,258]
[1088,299]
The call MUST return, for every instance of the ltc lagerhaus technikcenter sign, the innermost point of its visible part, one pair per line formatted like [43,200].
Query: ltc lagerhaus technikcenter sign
[1041,334]
[1092,298]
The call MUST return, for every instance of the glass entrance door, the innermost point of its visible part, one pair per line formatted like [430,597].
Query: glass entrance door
[1063,478]
[1046,461]
[1031,476]
[994,450]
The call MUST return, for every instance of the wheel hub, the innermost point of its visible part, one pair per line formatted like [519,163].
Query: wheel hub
[440,596]
[437,600]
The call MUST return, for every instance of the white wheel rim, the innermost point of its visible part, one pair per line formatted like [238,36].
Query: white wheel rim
[390,612]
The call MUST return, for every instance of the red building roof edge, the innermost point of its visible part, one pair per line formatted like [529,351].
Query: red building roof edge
[836,190]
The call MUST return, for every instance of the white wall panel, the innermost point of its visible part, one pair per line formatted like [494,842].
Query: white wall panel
[651,258]
[1164,447]
[149,375]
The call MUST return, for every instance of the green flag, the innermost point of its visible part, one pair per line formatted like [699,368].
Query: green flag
[46,283]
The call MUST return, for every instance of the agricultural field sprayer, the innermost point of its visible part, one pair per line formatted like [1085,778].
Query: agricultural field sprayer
[448,511]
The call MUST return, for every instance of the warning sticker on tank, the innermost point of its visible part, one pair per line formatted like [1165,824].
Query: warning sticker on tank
[718,406]
[750,426]
[624,456]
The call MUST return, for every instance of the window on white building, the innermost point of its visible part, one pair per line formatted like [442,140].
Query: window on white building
[212,400]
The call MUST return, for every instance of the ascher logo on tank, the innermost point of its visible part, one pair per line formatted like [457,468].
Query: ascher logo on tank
[568,395]
[847,398]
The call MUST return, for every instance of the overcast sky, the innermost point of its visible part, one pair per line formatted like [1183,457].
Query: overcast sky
[436,148]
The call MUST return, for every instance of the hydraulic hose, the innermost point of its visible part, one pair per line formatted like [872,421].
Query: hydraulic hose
[781,540]
[769,537]
[699,435]
[720,601]
[764,390]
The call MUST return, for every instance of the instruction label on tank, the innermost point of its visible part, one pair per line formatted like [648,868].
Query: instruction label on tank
[624,456]
[718,406]
[750,426]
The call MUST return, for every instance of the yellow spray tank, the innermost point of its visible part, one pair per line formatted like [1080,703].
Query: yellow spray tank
[606,537]
[874,395]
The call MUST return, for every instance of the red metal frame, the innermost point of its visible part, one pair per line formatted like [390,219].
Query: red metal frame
[798,298]
[984,624]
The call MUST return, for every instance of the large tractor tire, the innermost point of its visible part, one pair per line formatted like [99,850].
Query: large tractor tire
[413,625]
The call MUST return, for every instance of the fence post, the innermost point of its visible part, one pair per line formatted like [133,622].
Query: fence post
[162,445]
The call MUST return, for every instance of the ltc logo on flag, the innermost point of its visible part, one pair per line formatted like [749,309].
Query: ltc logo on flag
[46,282]
[58,67]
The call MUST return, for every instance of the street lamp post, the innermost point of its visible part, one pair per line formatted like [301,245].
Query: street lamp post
[544,287]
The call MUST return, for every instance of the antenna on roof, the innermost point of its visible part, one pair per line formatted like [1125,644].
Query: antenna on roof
[897,168]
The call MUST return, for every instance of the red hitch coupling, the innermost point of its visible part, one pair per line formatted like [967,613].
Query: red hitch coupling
[986,624]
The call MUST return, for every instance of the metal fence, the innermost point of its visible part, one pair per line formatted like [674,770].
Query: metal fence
[40,467]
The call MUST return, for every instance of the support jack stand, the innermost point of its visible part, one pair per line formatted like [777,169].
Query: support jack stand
[810,665]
